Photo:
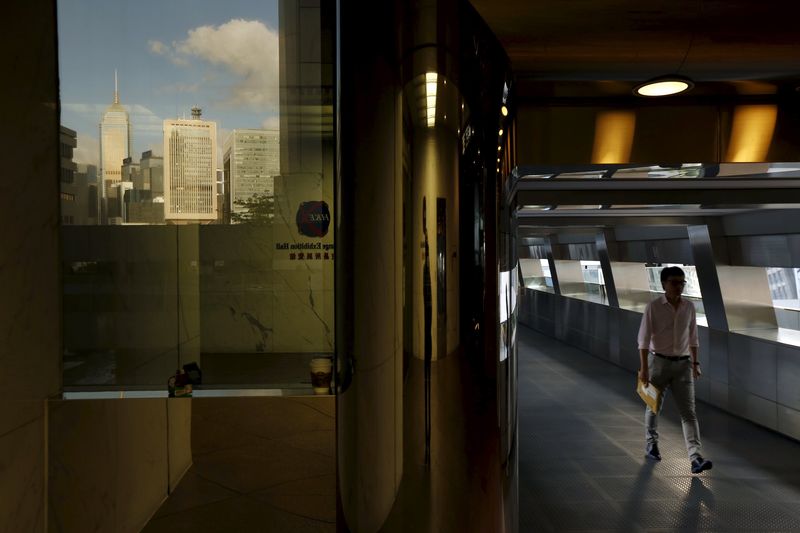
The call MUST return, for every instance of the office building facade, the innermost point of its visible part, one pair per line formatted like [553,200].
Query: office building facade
[251,161]
[190,164]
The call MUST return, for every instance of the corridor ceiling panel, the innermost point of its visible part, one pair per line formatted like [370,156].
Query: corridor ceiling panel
[631,40]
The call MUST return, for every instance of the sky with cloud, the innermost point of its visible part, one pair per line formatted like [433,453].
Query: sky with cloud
[170,55]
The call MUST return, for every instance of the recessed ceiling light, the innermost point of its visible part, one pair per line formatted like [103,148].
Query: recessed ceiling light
[504,111]
[663,86]
[501,132]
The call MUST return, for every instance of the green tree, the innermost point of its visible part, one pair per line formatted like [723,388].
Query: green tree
[259,209]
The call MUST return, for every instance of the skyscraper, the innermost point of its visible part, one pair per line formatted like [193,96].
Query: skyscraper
[69,195]
[115,142]
[152,174]
[190,164]
[251,160]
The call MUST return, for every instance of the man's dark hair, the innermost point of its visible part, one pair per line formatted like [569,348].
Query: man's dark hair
[671,271]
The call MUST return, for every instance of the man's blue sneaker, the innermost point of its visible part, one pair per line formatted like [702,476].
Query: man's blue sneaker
[699,464]
[652,452]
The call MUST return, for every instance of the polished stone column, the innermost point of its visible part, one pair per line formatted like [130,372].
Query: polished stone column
[368,277]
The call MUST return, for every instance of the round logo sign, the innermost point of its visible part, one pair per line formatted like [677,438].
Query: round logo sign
[313,219]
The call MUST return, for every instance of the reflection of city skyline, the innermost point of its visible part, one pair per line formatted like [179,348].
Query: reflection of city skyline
[181,183]
[221,57]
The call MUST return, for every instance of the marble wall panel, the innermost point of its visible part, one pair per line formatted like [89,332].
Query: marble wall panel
[109,461]
[238,322]
[250,288]
[23,477]
[300,325]
[83,466]
[179,431]
[142,478]
[188,334]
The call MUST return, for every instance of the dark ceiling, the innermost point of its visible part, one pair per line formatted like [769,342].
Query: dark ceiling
[557,46]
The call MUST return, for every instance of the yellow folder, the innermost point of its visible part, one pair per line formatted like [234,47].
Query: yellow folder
[651,395]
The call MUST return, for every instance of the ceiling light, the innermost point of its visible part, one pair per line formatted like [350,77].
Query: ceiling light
[504,111]
[498,148]
[501,132]
[663,86]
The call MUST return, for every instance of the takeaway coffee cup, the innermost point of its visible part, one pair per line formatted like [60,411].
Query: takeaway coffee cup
[321,371]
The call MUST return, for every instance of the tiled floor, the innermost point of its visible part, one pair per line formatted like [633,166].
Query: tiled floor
[582,465]
[260,464]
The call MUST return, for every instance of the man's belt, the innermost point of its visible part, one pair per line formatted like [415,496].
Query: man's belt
[672,357]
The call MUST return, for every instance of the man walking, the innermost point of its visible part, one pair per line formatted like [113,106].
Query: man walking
[668,358]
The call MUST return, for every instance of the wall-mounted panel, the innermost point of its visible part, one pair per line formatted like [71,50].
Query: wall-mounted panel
[752,407]
[788,370]
[789,422]
[752,366]
[714,355]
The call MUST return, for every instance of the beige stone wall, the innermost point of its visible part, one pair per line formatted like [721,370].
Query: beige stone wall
[30,369]
[113,462]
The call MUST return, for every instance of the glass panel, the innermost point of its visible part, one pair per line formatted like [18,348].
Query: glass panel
[536,274]
[572,280]
[196,192]
[784,285]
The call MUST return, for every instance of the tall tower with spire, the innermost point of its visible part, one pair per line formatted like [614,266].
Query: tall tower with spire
[115,143]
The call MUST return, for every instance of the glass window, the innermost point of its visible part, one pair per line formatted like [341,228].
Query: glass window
[205,196]
[592,272]
[784,285]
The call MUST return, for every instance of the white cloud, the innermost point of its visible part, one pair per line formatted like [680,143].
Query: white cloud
[94,110]
[272,122]
[87,151]
[157,47]
[143,119]
[247,49]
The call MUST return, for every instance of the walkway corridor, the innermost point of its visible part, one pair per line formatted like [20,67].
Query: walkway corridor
[582,465]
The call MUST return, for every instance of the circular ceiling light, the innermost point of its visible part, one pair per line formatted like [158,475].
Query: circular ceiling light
[663,86]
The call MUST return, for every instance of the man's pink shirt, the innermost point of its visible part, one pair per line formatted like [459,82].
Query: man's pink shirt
[667,330]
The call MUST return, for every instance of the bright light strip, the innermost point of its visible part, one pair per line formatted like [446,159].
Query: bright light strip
[663,87]
[431,79]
